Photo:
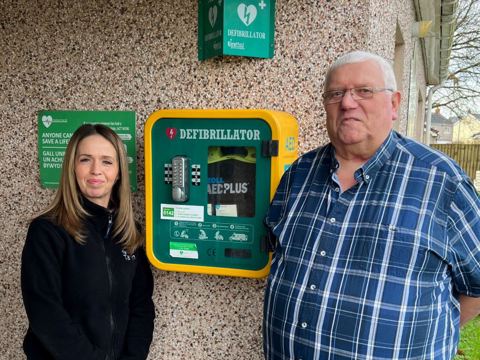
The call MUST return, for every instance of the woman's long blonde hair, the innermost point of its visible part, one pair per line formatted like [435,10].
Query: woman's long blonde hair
[67,209]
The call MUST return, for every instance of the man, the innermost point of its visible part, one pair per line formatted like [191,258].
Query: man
[378,236]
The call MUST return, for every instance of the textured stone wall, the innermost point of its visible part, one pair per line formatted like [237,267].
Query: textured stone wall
[141,56]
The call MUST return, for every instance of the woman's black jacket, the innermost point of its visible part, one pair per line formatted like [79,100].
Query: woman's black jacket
[90,301]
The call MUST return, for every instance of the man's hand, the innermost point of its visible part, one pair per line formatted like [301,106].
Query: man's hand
[469,308]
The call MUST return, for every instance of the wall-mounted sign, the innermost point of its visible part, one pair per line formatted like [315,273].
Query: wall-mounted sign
[56,127]
[236,27]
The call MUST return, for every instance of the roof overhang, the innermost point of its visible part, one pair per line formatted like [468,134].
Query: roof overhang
[436,46]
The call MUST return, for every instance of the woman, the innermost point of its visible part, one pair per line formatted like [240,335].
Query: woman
[86,284]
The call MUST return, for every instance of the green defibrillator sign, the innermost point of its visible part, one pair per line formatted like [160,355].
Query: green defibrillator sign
[56,127]
[236,27]
[209,178]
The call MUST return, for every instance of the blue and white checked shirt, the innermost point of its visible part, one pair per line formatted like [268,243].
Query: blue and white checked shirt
[373,272]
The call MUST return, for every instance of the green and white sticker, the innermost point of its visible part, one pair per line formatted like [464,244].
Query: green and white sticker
[181,212]
[183,250]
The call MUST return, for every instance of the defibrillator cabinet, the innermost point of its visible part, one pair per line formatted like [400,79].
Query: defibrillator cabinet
[209,179]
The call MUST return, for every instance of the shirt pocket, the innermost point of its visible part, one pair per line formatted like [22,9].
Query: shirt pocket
[394,251]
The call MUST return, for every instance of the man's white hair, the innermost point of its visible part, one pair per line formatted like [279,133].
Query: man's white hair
[361,56]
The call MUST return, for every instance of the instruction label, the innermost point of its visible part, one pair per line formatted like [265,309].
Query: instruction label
[181,212]
[223,232]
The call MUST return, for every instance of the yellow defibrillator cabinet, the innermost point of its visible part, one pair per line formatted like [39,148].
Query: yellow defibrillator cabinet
[209,178]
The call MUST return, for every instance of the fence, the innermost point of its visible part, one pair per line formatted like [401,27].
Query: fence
[466,155]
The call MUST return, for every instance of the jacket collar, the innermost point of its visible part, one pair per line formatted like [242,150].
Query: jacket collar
[98,216]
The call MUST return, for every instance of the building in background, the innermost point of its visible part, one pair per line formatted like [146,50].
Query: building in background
[467,129]
[441,129]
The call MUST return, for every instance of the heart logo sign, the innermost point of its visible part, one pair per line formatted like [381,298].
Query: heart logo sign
[212,15]
[247,13]
[47,120]
[171,133]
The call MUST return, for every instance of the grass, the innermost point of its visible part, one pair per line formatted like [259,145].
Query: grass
[469,346]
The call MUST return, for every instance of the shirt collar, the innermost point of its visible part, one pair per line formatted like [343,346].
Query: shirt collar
[368,170]
[334,165]
[381,156]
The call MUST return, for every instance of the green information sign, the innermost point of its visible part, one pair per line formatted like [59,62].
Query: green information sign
[56,127]
[236,27]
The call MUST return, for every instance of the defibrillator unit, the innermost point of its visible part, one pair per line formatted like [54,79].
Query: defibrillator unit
[209,179]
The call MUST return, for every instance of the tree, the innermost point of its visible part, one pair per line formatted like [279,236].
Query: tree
[460,93]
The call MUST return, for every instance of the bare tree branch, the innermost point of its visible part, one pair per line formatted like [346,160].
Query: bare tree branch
[461,91]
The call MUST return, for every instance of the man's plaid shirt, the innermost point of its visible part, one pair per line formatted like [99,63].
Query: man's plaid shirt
[373,272]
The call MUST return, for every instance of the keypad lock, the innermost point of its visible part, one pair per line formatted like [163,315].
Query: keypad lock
[180,178]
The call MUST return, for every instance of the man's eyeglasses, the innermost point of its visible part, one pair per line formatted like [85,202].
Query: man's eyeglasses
[360,93]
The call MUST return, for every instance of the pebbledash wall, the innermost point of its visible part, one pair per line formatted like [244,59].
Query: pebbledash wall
[142,56]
